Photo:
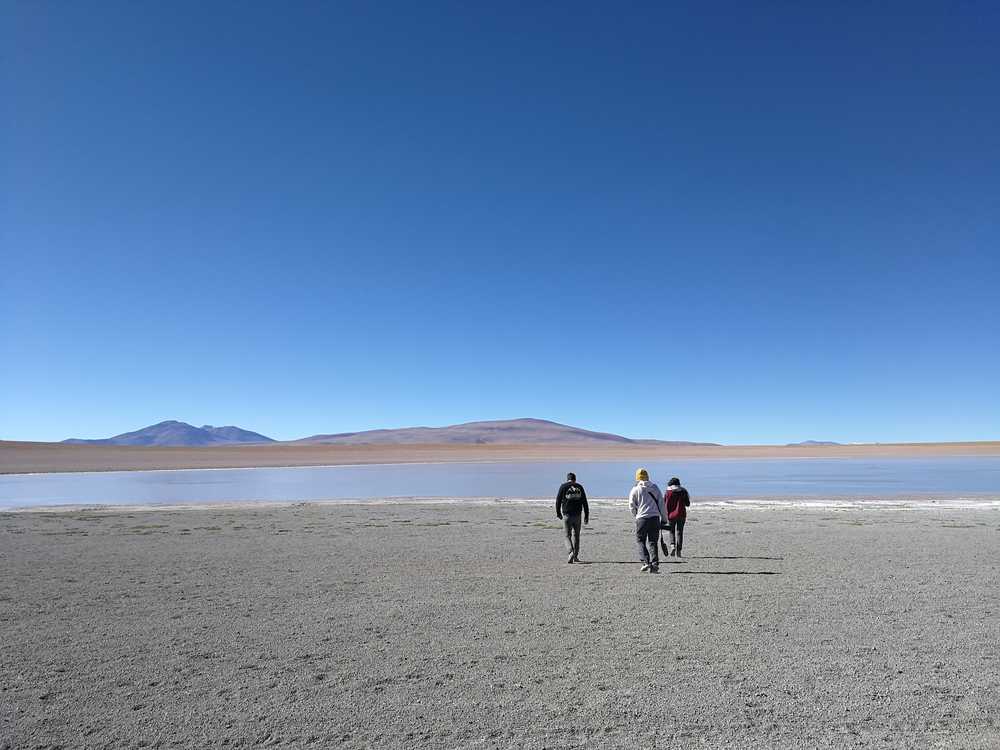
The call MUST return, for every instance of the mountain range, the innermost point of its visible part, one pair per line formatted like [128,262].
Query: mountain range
[177,433]
[507,431]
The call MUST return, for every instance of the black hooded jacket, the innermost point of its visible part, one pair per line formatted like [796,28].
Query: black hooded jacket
[571,499]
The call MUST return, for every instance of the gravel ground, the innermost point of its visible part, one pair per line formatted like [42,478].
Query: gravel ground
[462,626]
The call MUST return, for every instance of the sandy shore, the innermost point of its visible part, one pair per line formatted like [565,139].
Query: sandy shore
[462,626]
[26,457]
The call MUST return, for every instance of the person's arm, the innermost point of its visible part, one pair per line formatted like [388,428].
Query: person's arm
[559,500]
[632,497]
[660,504]
[687,499]
[586,508]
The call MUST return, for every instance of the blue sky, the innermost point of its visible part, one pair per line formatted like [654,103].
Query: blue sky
[737,222]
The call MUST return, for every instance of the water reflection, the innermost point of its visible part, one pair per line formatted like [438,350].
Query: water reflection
[722,478]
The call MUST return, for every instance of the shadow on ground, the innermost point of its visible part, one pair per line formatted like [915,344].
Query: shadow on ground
[625,562]
[726,573]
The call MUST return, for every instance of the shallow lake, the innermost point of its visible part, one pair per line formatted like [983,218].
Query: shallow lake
[858,479]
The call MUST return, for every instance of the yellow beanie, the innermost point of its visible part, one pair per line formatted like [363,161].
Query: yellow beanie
[641,475]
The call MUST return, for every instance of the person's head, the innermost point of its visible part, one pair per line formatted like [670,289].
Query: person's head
[674,482]
[641,475]
[571,477]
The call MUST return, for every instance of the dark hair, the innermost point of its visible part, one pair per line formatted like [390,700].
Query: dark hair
[571,477]
[674,480]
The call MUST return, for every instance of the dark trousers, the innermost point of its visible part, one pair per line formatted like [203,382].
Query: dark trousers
[572,526]
[676,528]
[647,534]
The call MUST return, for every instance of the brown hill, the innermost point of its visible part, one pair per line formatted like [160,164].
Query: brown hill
[506,431]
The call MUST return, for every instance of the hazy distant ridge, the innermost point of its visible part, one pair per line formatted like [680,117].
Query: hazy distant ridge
[501,432]
[505,431]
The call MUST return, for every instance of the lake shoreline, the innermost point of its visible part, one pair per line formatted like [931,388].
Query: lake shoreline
[985,501]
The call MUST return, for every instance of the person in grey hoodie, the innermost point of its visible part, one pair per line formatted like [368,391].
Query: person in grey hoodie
[646,503]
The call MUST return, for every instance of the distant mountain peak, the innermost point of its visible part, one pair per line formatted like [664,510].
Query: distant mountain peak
[172,432]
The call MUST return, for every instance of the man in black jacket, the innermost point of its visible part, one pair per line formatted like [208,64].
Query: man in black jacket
[571,503]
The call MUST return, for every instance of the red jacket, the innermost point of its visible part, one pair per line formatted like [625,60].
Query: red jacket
[676,503]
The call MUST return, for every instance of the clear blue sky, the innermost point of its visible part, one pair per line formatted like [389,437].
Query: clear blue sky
[738,222]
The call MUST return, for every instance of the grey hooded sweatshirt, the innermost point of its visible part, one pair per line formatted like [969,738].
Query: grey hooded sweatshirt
[646,501]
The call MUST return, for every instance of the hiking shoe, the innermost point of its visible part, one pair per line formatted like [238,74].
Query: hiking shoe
[654,568]
[571,558]
[645,568]
[673,551]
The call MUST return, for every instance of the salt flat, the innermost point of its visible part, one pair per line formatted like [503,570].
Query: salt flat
[461,625]
[19,457]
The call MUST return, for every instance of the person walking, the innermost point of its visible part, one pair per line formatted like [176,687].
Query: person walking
[571,508]
[676,502]
[646,503]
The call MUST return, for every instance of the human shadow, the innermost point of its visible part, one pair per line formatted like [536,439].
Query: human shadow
[726,573]
[607,562]
[627,562]
[731,557]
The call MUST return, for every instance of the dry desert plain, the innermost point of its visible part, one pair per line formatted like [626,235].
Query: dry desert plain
[28,457]
[461,626]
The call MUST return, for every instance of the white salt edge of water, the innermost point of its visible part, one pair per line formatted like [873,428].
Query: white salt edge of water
[714,503]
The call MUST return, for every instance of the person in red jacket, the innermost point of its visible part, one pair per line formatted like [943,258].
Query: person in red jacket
[676,503]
